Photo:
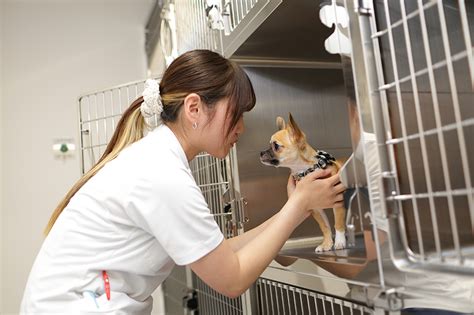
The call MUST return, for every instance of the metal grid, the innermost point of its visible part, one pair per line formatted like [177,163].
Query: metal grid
[211,302]
[213,177]
[175,289]
[99,112]
[237,10]
[242,18]
[424,59]
[280,298]
[192,29]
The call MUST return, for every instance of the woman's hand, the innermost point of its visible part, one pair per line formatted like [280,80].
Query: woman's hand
[315,191]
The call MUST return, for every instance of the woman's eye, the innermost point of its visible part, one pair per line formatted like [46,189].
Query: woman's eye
[276,146]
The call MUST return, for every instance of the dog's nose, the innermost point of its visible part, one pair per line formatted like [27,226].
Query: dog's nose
[262,153]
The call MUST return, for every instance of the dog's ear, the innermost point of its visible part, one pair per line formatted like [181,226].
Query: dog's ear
[295,131]
[280,123]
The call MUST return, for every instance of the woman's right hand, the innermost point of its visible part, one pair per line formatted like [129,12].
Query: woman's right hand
[315,191]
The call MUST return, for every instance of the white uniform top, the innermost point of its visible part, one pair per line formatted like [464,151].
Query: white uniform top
[141,214]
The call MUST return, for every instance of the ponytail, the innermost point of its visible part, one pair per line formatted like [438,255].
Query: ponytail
[129,129]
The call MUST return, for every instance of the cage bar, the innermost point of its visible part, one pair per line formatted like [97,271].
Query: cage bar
[212,302]
[271,295]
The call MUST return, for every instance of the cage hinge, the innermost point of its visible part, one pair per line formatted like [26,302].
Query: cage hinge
[389,184]
[235,211]
[239,212]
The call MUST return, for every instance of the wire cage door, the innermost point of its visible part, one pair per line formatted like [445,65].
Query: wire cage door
[217,179]
[99,113]
[424,67]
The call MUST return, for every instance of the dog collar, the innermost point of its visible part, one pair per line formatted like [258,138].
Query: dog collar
[323,160]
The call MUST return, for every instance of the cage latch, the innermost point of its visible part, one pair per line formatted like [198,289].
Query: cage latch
[190,301]
[390,300]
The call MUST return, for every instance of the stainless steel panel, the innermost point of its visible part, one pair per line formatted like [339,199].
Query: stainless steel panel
[292,32]
[316,98]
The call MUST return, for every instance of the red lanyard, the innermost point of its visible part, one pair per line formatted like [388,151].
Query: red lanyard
[105,276]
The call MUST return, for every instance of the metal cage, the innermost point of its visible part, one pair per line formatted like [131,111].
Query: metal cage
[99,113]
[215,177]
[243,17]
[217,180]
[212,302]
[193,31]
[425,96]
[240,18]
[280,298]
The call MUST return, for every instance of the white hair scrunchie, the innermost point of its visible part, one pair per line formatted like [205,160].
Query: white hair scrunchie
[152,106]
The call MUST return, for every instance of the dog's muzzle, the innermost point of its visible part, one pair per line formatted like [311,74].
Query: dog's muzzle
[267,157]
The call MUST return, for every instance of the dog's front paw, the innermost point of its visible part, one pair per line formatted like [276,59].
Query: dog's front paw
[340,240]
[324,247]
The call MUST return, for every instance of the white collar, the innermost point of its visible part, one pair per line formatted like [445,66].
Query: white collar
[163,131]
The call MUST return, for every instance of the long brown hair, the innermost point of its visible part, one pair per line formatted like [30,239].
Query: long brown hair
[203,72]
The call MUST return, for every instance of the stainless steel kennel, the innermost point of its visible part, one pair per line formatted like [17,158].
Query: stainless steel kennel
[394,96]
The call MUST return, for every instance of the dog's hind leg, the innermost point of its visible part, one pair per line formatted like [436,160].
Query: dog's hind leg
[323,222]
[340,226]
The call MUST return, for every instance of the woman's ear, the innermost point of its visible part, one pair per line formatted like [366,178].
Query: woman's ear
[192,107]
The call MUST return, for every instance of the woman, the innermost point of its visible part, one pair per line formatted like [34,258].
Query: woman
[120,230]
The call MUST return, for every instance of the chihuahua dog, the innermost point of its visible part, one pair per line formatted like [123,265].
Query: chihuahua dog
[288,148]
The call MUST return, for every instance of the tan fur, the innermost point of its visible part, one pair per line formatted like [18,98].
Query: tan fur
[294,152]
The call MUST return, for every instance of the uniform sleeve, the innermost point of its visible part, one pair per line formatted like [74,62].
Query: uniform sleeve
[173,210]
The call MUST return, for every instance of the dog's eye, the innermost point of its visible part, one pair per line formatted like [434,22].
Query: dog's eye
[276,146]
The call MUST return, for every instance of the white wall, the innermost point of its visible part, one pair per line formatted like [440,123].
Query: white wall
[52,52]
